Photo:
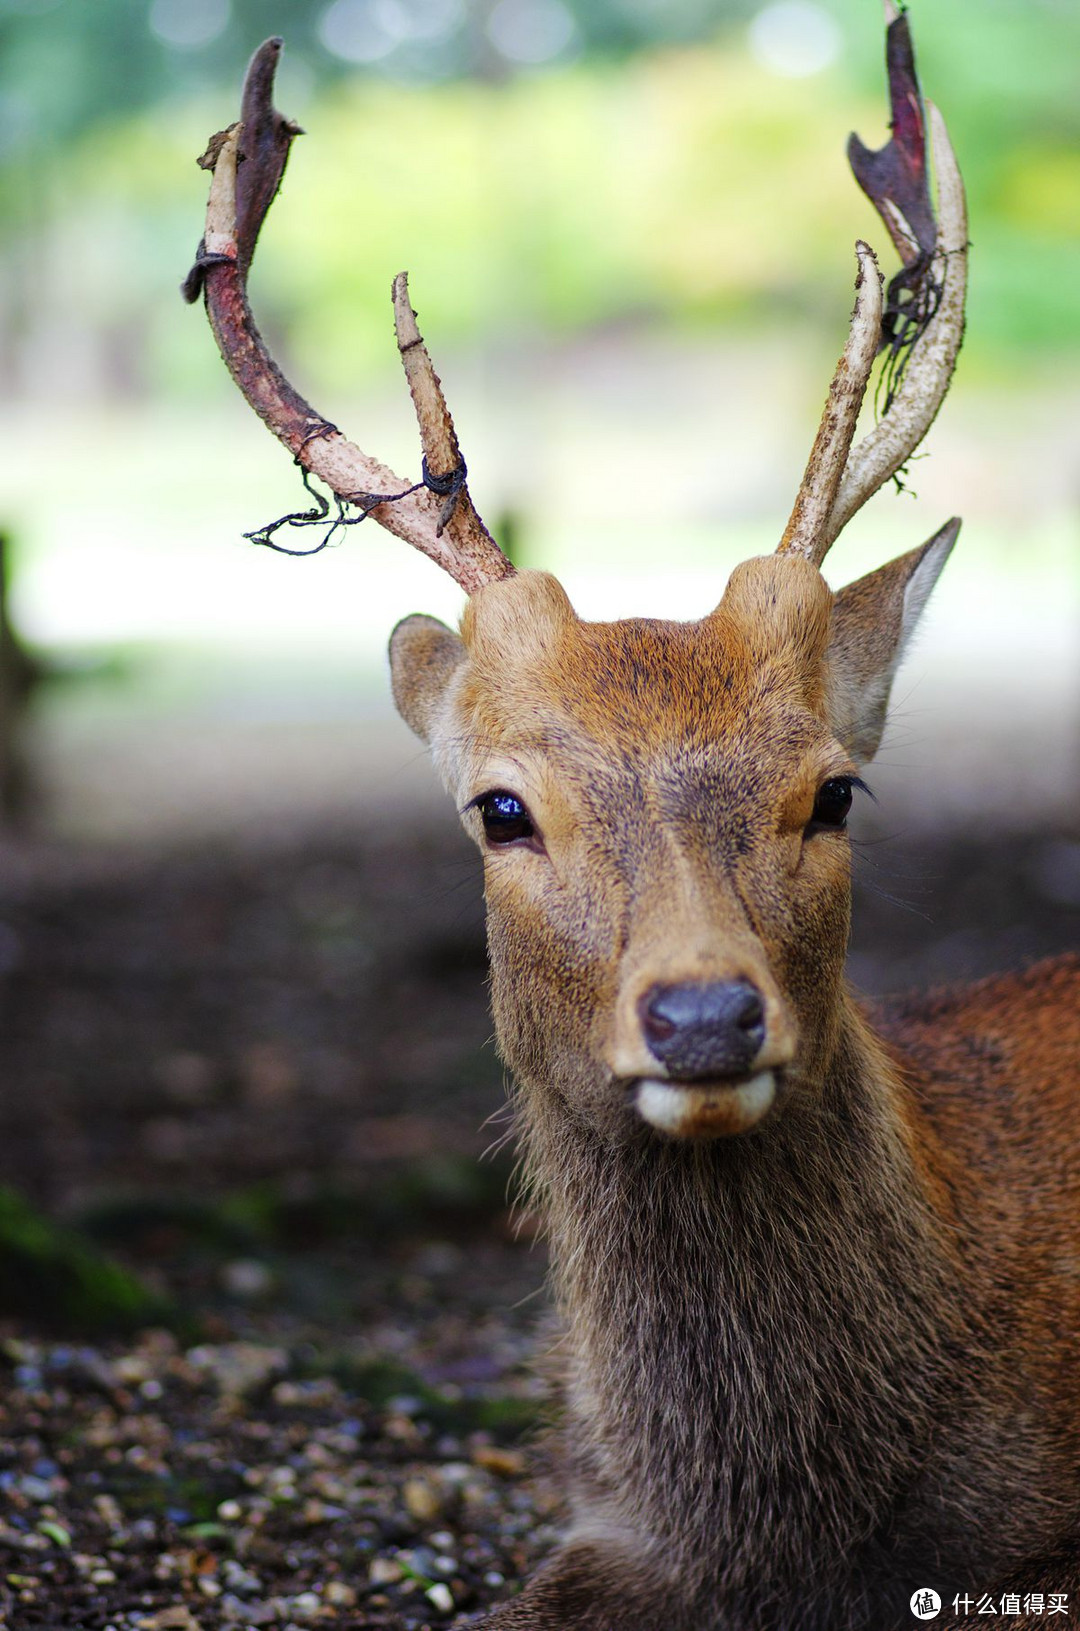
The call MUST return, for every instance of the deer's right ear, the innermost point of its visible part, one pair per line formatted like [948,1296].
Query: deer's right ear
[424,657]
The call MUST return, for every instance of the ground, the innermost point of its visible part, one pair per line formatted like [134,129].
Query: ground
[259,1078]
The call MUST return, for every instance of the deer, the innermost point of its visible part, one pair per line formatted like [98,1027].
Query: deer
[816,1263]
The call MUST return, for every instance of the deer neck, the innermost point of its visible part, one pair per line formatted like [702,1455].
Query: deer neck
[728,1303]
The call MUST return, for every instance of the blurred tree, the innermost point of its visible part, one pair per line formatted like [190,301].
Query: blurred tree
[19,673]
[65,65]
[586,193]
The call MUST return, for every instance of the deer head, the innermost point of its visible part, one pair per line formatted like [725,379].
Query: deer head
[661,806]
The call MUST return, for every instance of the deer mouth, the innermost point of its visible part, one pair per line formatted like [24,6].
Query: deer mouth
[705,1109]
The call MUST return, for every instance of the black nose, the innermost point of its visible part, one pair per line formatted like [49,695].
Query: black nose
[704,1030]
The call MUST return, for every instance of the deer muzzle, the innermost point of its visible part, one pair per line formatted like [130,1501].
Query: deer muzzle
[706,1036]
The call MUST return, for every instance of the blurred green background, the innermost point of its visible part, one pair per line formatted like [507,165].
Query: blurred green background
[629,230]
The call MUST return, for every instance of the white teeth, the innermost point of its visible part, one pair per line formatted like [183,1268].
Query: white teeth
[700,1110]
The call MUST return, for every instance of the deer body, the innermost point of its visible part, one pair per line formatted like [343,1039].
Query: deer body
[807,1368]
[818,1271]
[794,1392]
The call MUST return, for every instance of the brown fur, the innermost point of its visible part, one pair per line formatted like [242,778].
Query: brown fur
[808,1369]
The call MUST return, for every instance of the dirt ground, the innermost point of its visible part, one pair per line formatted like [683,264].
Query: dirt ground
[263,1079]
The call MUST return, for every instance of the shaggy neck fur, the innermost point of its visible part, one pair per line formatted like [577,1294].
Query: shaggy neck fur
[756,1335]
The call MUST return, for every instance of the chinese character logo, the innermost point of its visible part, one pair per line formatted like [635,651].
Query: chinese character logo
[926,1604]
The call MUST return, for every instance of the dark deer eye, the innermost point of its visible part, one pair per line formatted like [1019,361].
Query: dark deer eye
[833,802]
[505,818]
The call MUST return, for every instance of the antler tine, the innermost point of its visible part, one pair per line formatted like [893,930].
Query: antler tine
[807,528]
[437,516]
[923,318]
[928,374]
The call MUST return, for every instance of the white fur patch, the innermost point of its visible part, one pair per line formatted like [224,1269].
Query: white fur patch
[705,1110]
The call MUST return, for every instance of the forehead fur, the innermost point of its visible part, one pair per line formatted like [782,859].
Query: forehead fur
[531,656]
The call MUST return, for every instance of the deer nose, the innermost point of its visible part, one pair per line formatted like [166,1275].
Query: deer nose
[704,1030]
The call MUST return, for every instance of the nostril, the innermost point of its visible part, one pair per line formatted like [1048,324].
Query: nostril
[751,1013]
[658,1025]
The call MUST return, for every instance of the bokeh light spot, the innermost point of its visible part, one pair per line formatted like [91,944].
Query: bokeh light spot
[418,19]
[188,24]
[795,38]
[531,31]
[356,30]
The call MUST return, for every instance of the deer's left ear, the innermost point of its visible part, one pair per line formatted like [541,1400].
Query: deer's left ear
[872,622]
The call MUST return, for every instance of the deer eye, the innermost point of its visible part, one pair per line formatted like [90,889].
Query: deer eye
[832,803]
[505,818]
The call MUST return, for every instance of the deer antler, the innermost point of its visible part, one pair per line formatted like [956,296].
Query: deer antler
[437,514]
[921,326]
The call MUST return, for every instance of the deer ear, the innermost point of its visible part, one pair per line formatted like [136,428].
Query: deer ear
[872,623]
[424,657]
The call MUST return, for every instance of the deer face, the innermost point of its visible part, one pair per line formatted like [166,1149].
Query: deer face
[661,809]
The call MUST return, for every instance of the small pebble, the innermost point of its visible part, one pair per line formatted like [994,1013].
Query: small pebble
[339,1595]
[506,1463]
[422,1500]
[20,1542]
[405,1404]
[108,1510]
[420,1559]
[177,1618]
[238,1367]
[246,1277]
[237,1578]
[440,1597]
[384,1571]
[132,1369]
[261,1613]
